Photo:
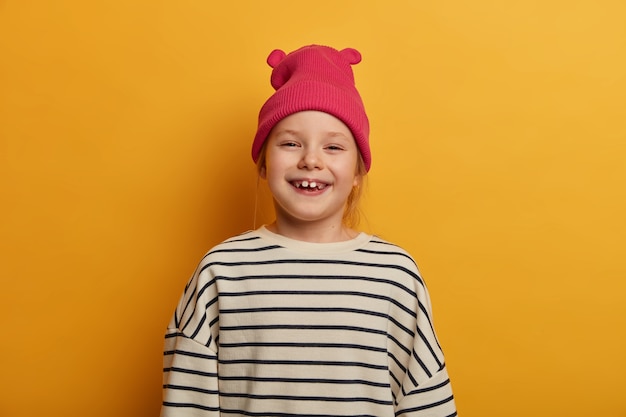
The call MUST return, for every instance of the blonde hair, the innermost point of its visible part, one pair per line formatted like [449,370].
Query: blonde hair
[351,213]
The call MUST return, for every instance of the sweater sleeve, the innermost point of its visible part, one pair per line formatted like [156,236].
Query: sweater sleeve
[190,381]
[426,390]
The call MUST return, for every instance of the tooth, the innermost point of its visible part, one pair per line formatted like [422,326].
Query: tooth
[305,183]
[313,184]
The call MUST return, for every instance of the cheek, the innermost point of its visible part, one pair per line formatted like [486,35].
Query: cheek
[273,172]
[278,163]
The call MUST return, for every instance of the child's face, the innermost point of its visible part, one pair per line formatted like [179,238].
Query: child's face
[310,167]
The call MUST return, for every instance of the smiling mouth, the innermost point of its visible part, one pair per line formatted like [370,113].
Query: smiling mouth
[309,185]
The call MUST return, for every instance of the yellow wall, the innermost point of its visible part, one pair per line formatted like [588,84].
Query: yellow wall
[499,143]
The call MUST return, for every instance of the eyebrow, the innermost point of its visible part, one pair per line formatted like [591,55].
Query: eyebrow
[286,132]
[335,134]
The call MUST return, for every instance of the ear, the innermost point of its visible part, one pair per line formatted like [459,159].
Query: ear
[358,180]
[263,172]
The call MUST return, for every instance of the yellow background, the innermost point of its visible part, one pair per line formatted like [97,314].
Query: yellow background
[499,144]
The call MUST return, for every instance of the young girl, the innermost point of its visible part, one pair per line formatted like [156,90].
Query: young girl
[306,316]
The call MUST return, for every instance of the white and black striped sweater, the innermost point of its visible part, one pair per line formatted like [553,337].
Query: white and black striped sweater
[269,326]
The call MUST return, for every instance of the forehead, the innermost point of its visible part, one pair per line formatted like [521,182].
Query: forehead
[311,121]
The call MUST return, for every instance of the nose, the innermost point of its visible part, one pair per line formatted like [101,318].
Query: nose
[311,159]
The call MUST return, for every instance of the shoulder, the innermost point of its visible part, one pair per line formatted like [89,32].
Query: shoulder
[227,254]
[244,249]
[405,270]
[247,242]
[385,251]
[249,239]
[395,259]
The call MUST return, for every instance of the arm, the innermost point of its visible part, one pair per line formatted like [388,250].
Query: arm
[425,390]
[432,398]
[190,385]
[190,380]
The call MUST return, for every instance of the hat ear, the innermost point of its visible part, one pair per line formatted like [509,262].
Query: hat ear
[275,57]
[351,55]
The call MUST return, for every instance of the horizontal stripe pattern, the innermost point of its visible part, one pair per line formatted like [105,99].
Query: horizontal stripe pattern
[269,326]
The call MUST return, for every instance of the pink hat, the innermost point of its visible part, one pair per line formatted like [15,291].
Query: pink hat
[319,78]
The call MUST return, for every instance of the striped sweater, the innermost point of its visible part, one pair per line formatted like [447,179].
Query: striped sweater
[269,326]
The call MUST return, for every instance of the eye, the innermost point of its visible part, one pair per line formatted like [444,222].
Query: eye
[288,144]
[334,148]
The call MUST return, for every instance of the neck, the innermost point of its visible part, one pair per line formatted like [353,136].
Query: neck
[314,233]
